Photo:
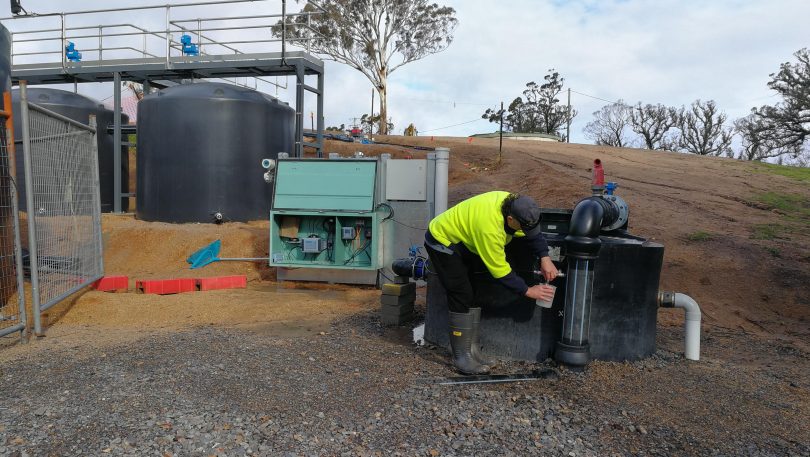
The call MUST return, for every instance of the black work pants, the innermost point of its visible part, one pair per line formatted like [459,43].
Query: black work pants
[454,271]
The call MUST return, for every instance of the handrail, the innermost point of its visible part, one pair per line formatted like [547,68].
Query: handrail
[224,34]
[130,8]
[261,16]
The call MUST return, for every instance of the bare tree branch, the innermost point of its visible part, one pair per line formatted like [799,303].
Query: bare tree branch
[609,125]
[653,124]
[703,130]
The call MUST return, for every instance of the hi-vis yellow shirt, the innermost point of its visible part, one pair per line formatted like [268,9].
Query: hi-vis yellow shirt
[478,223]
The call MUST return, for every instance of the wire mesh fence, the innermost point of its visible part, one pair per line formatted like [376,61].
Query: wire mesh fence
[63,207]
[12,296]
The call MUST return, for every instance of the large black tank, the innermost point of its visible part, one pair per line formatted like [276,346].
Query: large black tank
[623,313]
[200,148]
[79,108]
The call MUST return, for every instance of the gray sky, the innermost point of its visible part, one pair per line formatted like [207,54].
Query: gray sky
[654,51]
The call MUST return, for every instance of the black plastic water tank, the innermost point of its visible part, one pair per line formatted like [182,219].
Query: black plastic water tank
[623,314]
[200,148]
[79,108]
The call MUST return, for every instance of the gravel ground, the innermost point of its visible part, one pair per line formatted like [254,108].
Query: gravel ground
[362,390]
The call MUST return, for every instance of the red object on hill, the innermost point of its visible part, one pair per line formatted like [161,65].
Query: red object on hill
[598,173]
[222,282]
[112,283]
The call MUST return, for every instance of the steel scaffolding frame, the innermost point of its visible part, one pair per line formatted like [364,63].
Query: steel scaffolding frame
[154,70]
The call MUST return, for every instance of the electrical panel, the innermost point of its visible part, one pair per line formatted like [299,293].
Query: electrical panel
[324,215]
[325,240]
[406,179]
[363,212]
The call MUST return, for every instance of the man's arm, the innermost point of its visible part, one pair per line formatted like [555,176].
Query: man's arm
[539,247]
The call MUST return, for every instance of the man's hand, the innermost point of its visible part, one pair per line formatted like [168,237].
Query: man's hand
[548,269]
[540,292]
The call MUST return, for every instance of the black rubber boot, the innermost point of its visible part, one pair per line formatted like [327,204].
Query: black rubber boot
[461,325]
[475,349]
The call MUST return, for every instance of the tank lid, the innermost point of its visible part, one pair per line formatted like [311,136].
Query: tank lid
[209,90]
[45,96]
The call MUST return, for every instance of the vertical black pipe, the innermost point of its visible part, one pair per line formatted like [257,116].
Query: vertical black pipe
[582,248]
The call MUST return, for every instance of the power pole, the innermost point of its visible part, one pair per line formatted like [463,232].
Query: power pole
[500,136]
[568,119]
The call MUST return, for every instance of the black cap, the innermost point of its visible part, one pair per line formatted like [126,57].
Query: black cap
[527,212]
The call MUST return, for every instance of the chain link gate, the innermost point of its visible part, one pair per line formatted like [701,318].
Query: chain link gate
[12,290]
[63,205]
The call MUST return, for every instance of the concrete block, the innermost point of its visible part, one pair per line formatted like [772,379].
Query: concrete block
[397,311]
[399,289]
[394,300]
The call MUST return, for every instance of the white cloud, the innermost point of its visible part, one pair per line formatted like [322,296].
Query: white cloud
[663,51]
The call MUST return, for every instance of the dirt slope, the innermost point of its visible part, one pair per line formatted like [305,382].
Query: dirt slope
[736,234]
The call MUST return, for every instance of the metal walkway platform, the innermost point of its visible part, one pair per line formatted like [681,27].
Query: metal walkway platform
[175,69]
[158,58]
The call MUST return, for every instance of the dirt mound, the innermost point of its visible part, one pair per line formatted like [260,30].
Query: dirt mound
[154,250]
[736,233]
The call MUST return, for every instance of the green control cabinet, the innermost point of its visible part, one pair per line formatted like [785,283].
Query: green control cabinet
[324,215]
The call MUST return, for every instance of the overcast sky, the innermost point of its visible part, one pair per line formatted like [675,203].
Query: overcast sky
[654,51]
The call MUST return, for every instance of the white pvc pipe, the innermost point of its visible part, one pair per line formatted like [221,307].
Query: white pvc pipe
[691,323]
[442,171]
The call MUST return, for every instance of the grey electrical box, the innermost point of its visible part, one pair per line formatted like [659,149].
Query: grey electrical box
[406,179]
[347,233]
[313,245]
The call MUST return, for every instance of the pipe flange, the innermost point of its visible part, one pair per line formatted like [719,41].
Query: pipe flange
[624,212]
[572,355]
[666,299]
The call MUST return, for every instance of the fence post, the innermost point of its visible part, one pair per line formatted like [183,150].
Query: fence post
[15,209]
[18,257]
[117,143]
[97,195]
[25,123]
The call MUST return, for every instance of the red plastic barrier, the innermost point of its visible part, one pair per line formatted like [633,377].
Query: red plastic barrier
[112,283]
[222,282]
[166,286]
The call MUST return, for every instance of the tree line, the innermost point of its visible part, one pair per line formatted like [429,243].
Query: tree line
[539,110]
[378,37]
[781,130]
